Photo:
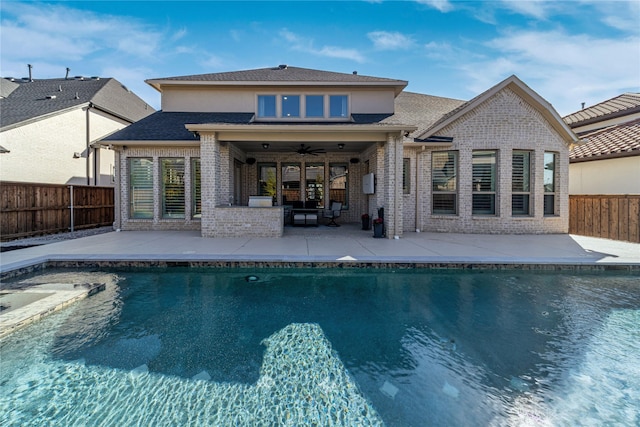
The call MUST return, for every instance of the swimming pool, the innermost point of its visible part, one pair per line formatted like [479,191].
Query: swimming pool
[331,347]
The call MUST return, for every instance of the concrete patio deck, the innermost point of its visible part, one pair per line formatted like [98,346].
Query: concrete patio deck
[346,244]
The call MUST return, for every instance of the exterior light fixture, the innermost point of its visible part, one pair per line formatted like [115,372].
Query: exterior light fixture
[265,145]
[340,146]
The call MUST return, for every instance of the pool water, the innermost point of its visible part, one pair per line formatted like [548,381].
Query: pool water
[331,347]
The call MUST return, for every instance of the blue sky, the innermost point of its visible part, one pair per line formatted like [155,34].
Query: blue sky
[570,51]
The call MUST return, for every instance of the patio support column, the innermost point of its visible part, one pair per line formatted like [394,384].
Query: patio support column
[393,185]
[209,180]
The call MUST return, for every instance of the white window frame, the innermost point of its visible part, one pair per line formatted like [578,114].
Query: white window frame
[303,107]
[477,187]
[445,192]
[524,178]
[551,193]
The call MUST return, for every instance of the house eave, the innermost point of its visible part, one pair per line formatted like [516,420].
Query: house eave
[158,85]
[306,132]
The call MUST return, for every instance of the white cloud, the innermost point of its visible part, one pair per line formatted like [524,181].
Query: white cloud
[565,69]
[385,40]
[45,30]
[179,34]
[212,62]
[441,5]
[306,45]
[535,8]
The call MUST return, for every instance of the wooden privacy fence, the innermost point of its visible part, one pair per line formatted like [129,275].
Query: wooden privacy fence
[28,209]
[608,216]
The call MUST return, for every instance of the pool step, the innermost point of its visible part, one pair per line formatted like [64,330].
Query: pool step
[28,305]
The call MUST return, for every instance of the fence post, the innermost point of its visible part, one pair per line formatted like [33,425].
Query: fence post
[71,207]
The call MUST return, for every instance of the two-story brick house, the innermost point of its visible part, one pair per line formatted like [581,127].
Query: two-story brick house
[495,164]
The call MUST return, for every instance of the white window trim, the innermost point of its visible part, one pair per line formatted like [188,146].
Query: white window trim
[303,107]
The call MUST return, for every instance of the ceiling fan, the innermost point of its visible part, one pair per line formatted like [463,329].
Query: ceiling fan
[305,149]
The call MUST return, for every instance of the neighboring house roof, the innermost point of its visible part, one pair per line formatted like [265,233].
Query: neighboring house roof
[621,140]
[282,74]
[524,91]
[31,100]
[622,105]
[7,87]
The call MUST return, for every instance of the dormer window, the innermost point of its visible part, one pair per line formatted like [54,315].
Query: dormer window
[290,105]
[338,106]
[314,107]
[266,106]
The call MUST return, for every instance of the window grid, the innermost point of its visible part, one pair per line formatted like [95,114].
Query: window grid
[196,189]
[140,188]
[267,180]
[550,183]
[173,191]
[444,182]
[484,183]
[520,183]
[339,184]
[303,106]
[406,170]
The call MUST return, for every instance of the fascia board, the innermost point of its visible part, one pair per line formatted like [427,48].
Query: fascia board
[398,85]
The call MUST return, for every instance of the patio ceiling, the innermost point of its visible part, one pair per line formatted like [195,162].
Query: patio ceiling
[293,146]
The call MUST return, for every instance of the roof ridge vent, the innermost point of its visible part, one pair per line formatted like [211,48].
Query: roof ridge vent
[95,78]
[79,77]
[283,66]
[51,97]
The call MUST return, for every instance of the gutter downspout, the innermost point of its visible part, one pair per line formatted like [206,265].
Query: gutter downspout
[88,143]
[419,159]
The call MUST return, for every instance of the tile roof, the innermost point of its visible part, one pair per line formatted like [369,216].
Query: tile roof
[615,141]
[621,105]
[30,100]
[282,74]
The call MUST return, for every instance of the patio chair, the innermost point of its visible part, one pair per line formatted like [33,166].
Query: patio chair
[333,213]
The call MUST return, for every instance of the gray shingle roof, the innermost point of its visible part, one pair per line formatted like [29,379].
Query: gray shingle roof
[627,103]
[6,87]
[282,74]
[421,110]
[30,100]
[169,126]
[619,140]
[411,109]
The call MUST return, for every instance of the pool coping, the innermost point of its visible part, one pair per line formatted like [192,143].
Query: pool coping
[206,261]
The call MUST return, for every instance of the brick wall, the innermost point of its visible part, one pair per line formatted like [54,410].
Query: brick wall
[123,221]
[504,123]
[241,221]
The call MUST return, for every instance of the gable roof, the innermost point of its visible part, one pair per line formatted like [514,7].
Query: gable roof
[621,105]
[524,91]
[621,140]
[33,100]
[280,75]
[421,110]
